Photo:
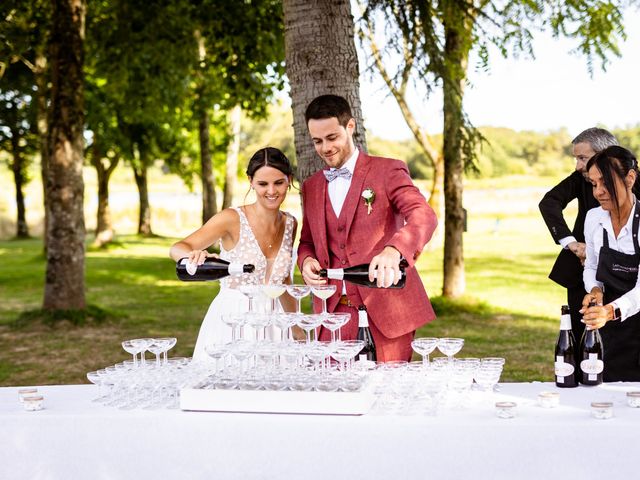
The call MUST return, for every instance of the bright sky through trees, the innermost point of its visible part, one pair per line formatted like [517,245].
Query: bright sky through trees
[555,90]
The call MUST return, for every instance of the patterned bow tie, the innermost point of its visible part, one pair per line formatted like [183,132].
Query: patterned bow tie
[331,175]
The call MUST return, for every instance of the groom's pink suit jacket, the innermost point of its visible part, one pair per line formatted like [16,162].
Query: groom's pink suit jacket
[400,217]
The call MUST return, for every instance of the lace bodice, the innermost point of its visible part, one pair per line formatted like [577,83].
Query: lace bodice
[247,250]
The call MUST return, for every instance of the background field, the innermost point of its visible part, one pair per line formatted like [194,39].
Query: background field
[511,308]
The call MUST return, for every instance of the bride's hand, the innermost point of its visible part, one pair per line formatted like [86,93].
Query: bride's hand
[199,256]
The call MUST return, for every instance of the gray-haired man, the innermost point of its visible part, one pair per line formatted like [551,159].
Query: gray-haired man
[567,270]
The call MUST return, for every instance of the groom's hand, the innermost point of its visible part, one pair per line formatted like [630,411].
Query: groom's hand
[385,267]
[310,269]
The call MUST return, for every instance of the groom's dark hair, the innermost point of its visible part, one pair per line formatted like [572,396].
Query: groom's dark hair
[328,106]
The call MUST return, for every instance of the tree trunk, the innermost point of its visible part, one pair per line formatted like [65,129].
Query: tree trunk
[456,56]
[41,98]
[64,282]
[18,167]
[104,226]
[144,214]
[209,204]
[233,150]
[320,59]
[436,197]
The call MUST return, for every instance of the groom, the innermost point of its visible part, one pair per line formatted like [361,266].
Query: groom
[364,209]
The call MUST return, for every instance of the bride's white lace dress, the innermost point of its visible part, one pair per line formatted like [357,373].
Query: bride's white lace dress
[230,299]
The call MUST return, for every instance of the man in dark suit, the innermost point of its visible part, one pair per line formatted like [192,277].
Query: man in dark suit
[567,270]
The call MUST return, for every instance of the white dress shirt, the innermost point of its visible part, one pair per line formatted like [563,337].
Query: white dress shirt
[596,220]
[339,187]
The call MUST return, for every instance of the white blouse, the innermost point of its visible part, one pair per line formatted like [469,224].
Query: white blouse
[596,220]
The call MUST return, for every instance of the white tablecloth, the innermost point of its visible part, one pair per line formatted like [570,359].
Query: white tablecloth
[73,438]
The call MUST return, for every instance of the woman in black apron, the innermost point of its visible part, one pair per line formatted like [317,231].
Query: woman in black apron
[614,174]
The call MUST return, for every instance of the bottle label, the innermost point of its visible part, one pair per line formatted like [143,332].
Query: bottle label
[592,366]
[565,322]
[562,369]
[363,321]
[335,273]
[236,268]
[192,268]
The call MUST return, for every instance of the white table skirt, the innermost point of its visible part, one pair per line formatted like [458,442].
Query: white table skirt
[73,438]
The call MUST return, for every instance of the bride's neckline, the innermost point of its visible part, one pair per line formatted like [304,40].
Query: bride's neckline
[279,234]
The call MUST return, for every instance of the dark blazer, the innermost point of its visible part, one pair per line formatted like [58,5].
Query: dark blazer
[567,270]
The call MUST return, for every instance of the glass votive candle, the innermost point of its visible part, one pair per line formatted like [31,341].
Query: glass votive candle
[548,399]
[506,409]
[602,410]
[32,402]
[633,399]
[23,392]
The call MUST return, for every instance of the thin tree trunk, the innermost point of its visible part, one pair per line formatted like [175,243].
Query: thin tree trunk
[209,203]
[233,150]
[104,226]
[144,214]
[320,59]
[64,282]
[41,98]
[434,156]
[456,56]
[22,230]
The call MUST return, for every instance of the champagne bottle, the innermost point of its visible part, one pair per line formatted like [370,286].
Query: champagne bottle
[368,352]
[211,269]
[359,275]
[566,364]
[592,350]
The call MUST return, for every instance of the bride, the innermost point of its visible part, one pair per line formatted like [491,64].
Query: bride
[258,233]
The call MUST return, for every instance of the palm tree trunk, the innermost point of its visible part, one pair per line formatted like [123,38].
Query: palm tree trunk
[320,58]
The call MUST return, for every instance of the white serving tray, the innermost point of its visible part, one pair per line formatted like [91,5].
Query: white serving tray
[259,401]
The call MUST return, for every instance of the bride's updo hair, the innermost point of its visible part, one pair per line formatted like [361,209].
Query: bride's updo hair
[269,157]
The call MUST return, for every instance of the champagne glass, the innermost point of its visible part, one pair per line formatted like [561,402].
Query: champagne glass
[308,323]
[156,347]
[450,346]
[323,292]
[235,321]
[273,291]
[298,292]
[251,292]
[334,321]
[168,343]
[424,346]
[130,346]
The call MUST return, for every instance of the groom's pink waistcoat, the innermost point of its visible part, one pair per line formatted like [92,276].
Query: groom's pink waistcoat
[400,217]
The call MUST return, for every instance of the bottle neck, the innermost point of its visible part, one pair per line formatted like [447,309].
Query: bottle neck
[565,322]
[363,319]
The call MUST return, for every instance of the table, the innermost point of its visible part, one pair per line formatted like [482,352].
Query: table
[74,438]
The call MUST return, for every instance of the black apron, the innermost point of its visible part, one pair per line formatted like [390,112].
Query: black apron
[621,340]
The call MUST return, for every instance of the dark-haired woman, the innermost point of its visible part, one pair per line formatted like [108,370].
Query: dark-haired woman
[258,233]
[611,267]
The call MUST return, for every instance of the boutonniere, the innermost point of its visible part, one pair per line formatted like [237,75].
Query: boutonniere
[369,196]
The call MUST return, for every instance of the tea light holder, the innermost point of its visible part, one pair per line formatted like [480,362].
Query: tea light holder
[32,403]
[548,399]
[633,399]
[506,409]
[602,410]
[24,392]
